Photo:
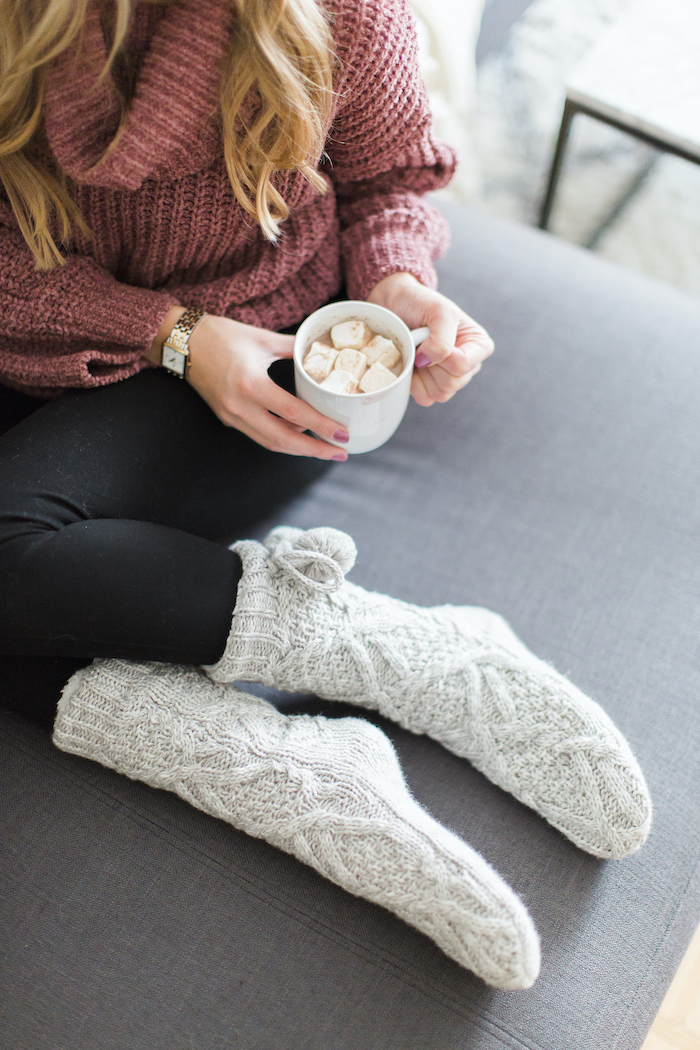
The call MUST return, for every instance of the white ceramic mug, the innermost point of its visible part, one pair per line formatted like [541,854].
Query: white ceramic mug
[370,419]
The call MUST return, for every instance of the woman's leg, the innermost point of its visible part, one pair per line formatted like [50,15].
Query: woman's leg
[116,506]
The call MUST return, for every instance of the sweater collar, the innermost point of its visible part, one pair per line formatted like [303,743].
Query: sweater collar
[172,127]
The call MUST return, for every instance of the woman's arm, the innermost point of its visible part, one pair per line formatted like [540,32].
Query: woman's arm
[383,159]
[382,154]
[229,364]
[75,326]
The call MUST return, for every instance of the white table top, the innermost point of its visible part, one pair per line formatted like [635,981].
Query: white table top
[645,72]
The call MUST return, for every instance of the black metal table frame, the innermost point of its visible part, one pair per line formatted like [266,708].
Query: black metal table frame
[571,108]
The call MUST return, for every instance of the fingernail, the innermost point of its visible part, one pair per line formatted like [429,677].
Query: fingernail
[340,435]
[339,458]
[422,360]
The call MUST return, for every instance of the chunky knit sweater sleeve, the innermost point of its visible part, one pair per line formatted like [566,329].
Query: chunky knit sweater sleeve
[382,154]
[76,326]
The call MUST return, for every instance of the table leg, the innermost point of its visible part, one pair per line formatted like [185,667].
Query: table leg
[613,215]
[570,110]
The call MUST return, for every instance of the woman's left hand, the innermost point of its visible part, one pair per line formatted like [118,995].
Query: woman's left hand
[453,352]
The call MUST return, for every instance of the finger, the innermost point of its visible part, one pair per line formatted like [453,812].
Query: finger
[283,345]
[456,364]
[473,347]
[462,360]
[448,391]
[453,367]
[449,382]
[279,436]
[447,385]
[426,391]
[441,342]
[418,391]
[432,388]
[297,412]
[475,343]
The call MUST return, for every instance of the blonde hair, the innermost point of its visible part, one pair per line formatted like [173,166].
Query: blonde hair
[281,49]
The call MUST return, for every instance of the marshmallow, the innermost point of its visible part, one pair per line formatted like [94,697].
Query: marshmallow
[340,382]
[319,361]
[317,347]
[352,334]
[382,350]
[375,378]
[351,361]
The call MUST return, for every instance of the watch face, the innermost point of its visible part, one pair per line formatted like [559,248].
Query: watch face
[173,360]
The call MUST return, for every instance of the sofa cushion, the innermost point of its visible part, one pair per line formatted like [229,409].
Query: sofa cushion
[561,489]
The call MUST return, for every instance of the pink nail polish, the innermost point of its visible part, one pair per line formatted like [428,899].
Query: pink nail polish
[339,458]
[422,360]
[340,435]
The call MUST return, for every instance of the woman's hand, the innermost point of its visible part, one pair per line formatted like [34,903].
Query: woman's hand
[456,347]
[228,368]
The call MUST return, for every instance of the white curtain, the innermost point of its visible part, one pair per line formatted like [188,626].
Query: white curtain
[447,32]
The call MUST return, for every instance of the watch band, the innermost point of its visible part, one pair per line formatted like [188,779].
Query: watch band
[175,355]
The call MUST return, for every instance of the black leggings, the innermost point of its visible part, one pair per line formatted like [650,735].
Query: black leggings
[116,508]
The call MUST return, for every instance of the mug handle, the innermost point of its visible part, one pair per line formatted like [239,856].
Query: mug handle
[419,334]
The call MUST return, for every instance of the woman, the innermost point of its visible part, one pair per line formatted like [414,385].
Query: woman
[183,183]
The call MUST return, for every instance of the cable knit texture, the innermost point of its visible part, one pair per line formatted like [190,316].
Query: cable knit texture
[458,674]
[166,226]
[329,791]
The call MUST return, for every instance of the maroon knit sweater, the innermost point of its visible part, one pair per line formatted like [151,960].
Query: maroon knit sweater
[166,227]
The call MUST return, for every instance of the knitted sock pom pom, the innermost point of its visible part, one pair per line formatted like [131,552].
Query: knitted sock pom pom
[317,557]
[331,542]
[284,536]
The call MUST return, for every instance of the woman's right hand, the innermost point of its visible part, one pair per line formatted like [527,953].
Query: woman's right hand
[228,368]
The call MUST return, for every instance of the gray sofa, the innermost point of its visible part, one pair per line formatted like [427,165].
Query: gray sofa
[561,489]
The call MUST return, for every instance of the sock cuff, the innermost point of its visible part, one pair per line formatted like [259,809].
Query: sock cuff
[254,643]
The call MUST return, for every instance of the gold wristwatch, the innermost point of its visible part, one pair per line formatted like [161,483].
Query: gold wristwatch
[175,355]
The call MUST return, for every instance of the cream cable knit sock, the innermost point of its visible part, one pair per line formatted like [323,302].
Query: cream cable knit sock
[458,674]
[329,791]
